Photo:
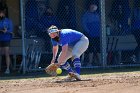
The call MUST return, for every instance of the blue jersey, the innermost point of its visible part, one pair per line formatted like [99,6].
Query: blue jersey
[6,23]
[68,36]
[91,23]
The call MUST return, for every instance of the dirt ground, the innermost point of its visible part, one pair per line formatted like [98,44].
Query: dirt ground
[104,83]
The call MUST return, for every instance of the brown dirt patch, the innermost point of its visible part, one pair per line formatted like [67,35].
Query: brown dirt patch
[107,83]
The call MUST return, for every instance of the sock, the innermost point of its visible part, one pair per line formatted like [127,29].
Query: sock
[67,67]
[77,65]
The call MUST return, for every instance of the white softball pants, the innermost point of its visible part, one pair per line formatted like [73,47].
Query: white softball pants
[78,49]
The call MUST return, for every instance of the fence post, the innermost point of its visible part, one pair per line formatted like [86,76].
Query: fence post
[23,34]
[103,33]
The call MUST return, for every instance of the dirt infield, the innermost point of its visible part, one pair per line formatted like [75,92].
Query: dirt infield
[105,83]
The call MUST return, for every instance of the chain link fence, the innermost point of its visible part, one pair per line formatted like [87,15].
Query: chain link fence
[123,22]
[122,30]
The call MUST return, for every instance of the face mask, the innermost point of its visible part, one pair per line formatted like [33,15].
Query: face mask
[56,39]
[1,17]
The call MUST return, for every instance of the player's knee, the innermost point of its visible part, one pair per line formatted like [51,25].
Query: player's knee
[75,56]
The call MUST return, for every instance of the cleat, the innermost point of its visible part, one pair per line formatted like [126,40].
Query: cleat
[7,71]
[75,75]
[69,78]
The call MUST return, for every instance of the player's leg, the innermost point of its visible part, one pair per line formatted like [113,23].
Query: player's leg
[65,65]
[137,49]
[7,56]
[96,50]
[5,50]
[79,48]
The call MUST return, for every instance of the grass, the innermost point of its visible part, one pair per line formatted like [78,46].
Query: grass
[95,71]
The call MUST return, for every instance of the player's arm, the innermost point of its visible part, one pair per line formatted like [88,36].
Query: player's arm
[55,51]
[4,30]
[62,56]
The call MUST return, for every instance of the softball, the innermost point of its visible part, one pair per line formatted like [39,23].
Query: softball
[59,71]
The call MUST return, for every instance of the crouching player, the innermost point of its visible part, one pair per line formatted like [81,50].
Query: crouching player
[73,44]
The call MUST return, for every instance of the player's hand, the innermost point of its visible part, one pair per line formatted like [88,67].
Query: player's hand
[2,31]
[5,30]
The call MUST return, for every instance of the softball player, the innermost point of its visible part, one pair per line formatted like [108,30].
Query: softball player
[73,44]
